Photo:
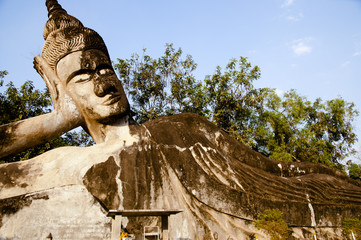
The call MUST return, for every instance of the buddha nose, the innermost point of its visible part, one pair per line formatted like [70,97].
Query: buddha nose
[103,86]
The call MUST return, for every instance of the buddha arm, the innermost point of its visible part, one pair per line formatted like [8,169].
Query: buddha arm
[18,136]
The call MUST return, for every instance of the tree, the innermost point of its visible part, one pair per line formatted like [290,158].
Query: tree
[232,99]
[301,130]
[2,75]
[163,86]
[25,102]
[288,127]
[354,170]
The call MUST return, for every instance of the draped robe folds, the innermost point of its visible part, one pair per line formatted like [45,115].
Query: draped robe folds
[178,162]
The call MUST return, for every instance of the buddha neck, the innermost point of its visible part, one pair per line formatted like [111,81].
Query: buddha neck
[103,132]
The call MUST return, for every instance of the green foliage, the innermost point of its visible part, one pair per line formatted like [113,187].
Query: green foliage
[354,170]
[286,128]
[272,221]
[296,129]
[163,86]
[354,225]
[25,102]
[2,75]
[233,99]
[22,103]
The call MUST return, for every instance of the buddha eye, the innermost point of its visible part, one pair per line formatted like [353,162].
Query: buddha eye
[81,78]
[106,71]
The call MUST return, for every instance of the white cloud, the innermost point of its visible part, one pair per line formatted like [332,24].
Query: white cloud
[357,53]
[345,64]
[301,46]
[295,18]
[292,18]
[287,3]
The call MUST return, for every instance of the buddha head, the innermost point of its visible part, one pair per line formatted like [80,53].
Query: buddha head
[81,61]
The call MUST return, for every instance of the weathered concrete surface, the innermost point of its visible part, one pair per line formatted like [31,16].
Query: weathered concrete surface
[181,162]
[67,212]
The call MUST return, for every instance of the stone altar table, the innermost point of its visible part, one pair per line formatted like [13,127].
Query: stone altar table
[118,214]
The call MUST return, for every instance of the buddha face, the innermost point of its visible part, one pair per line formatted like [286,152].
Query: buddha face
[90,80]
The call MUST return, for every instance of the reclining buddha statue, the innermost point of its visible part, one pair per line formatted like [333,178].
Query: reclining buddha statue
[176,162]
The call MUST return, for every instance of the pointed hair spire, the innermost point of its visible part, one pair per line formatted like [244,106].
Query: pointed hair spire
[54,8]
[58,18]
[64,34]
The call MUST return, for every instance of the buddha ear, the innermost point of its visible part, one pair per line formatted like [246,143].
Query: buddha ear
[63,103]
[49,76]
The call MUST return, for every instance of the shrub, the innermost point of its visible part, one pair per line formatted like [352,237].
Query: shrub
[354,225]
[272,221]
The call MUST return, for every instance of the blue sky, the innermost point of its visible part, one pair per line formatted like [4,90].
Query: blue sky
[313,46]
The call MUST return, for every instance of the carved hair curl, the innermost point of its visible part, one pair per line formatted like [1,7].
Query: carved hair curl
[65,34]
